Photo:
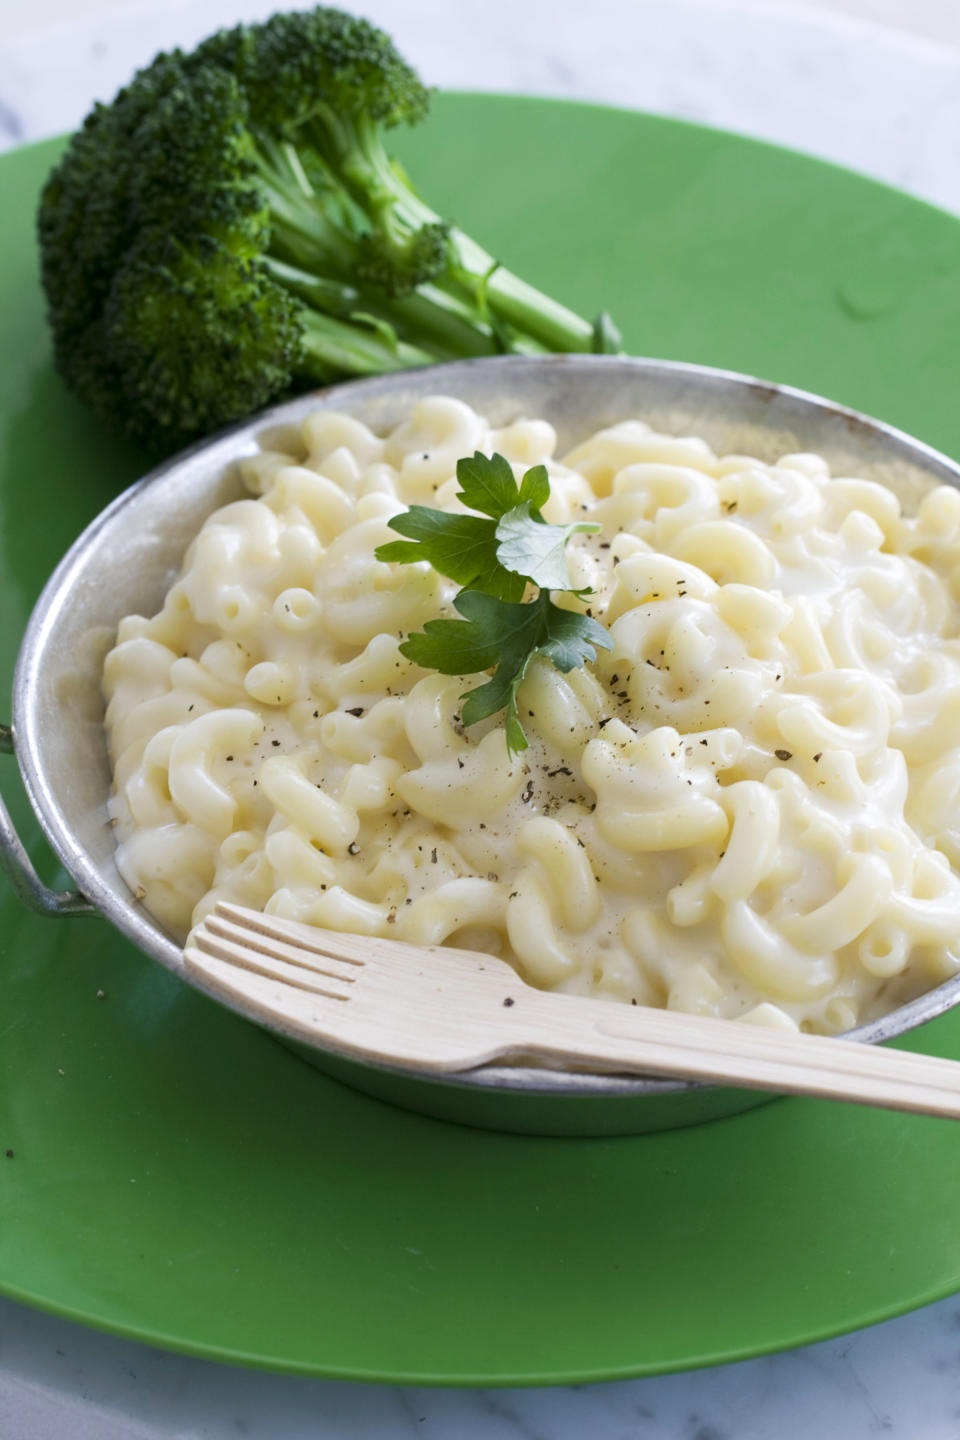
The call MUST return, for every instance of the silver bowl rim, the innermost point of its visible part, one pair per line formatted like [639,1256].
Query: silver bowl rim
[223,448]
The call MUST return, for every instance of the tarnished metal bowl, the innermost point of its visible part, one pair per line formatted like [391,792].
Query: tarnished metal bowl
[125,561]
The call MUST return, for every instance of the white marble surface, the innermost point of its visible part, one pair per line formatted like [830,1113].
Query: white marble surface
[872,98]
[899,1381]
[885,103]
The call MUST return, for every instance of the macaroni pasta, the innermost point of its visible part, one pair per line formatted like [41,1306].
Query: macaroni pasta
[747,808]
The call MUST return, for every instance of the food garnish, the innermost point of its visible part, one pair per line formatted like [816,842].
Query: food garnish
[494,555]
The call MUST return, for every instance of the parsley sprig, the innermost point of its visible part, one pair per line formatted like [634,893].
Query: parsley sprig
[493,555]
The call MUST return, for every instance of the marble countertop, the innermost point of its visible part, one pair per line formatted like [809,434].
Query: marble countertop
[881,102]
[872,98]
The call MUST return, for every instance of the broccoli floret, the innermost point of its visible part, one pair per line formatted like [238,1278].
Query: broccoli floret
[294,65]
[207,313]
[399,267]
[230,228]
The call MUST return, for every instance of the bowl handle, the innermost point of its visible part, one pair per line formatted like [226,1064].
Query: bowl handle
[15,863]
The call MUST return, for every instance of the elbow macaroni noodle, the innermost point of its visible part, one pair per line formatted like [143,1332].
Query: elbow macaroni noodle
[748,808]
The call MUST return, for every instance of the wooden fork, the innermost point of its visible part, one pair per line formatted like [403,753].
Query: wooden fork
[442,1011]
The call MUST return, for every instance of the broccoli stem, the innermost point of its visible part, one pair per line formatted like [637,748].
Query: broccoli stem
[318,218]
[332,297]
[441,323]
[438,316]
[444,320]
[301,231]
[371,177]
[521,305]
[333,348]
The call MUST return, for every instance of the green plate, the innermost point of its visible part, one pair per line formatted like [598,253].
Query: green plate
[178,1177]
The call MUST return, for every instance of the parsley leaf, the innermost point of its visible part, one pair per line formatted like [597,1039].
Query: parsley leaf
[497,550]
[488,485]
[535,489]
[535,549]
[497,633]
[493,554]
[462,547]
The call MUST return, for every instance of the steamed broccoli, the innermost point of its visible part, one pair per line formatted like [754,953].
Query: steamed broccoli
[231,228]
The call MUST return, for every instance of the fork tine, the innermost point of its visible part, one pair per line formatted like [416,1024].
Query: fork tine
[243,957]
[297,1011]
[267,942]
[338,945]
[331,945]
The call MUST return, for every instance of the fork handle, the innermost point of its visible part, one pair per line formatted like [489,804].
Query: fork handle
[588,1033]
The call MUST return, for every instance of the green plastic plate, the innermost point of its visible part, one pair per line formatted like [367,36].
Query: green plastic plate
[170,1173]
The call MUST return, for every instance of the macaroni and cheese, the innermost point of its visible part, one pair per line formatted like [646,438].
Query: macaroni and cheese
[747,808]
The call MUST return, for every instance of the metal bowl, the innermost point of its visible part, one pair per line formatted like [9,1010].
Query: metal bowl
[126,559]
